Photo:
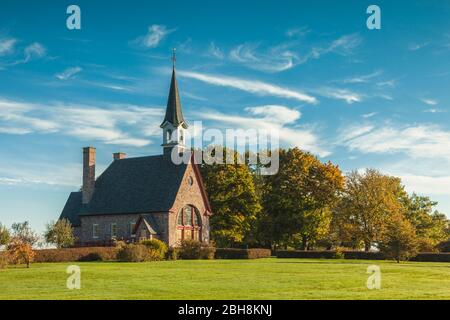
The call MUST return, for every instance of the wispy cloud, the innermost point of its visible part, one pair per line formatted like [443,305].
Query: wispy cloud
[7,45]
[297,32]
[277,118]
[369,115]
[434,110]
[418,141]
[417,46]
[68,73]
[156,33]
[362,78]
[340,94]
[215,51]
[276,59]
[118,124]
[430,102]
[252,86]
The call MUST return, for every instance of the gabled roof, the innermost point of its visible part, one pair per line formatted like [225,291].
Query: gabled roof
[174,114]
[72,209]
[150,223]
[136,185]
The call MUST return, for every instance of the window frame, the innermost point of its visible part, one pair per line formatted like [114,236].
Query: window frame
[194,227]
[113,224]
[95,231]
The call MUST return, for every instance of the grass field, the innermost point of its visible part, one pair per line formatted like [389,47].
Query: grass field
[229,279]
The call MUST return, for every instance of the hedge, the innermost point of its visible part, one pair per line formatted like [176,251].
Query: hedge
[76,254]
[363,255]
[231,253]
[432,257]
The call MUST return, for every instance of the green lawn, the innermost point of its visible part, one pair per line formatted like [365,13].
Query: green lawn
[229,279]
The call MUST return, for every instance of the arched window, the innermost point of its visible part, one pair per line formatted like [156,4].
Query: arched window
[169,135]
[189,224]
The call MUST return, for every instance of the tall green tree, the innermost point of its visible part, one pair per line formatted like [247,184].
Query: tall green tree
[299,199]
[4,235]
[233,199]
[431,226]
[60,233]
[369,199]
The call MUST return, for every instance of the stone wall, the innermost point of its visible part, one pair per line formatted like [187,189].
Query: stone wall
[123,222]
[188,195]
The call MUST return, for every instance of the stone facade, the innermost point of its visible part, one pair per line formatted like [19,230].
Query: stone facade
[189,193]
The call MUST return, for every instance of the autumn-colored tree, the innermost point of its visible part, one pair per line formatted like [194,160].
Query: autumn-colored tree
[233,199]
[20,252]
[60,233]
[4,235]
[299,199]
[369,199]
[399,240]
[431,226]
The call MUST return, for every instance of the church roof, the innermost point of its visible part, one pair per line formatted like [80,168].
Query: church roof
[72,208]
[174,114]
[134,185]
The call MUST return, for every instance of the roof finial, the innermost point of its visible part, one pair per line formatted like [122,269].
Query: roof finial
[174,57]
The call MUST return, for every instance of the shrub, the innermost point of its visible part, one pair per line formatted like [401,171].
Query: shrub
[20,252]
[192,250]
[339,254]
[158,247]
[232,253]
[172,253]
[137,253]
[76,254]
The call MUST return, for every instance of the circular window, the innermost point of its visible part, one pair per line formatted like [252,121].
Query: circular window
[190,180]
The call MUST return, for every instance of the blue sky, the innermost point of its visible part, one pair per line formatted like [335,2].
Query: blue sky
[360,98]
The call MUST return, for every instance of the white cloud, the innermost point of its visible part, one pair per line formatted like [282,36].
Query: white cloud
[277,59]
[34,51]
[297,32]
[7,46]
[271,117]
[369,115]
[156,33]
[252,86]
[362,78]
[430,102]
[426,185]
[215,51]
[340,94]
[434,110]
[68,73]
[117,124]
[419,141]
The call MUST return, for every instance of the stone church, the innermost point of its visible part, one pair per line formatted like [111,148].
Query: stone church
[145,197]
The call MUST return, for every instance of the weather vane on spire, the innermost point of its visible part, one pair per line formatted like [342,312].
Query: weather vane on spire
[174,57]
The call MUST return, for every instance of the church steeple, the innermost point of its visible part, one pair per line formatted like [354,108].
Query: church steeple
[174,114]
[174,124]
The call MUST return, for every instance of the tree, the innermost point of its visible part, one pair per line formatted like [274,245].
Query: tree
[4,235]
[60,233]
[23,233]
[233,199]
[399,240]
[20,252]
[299,199]
[431,226]
[369,199]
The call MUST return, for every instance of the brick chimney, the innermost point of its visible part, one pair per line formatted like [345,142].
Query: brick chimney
[119,156]
[88,174]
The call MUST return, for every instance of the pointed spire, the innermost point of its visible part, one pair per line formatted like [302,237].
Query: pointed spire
[174,115]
